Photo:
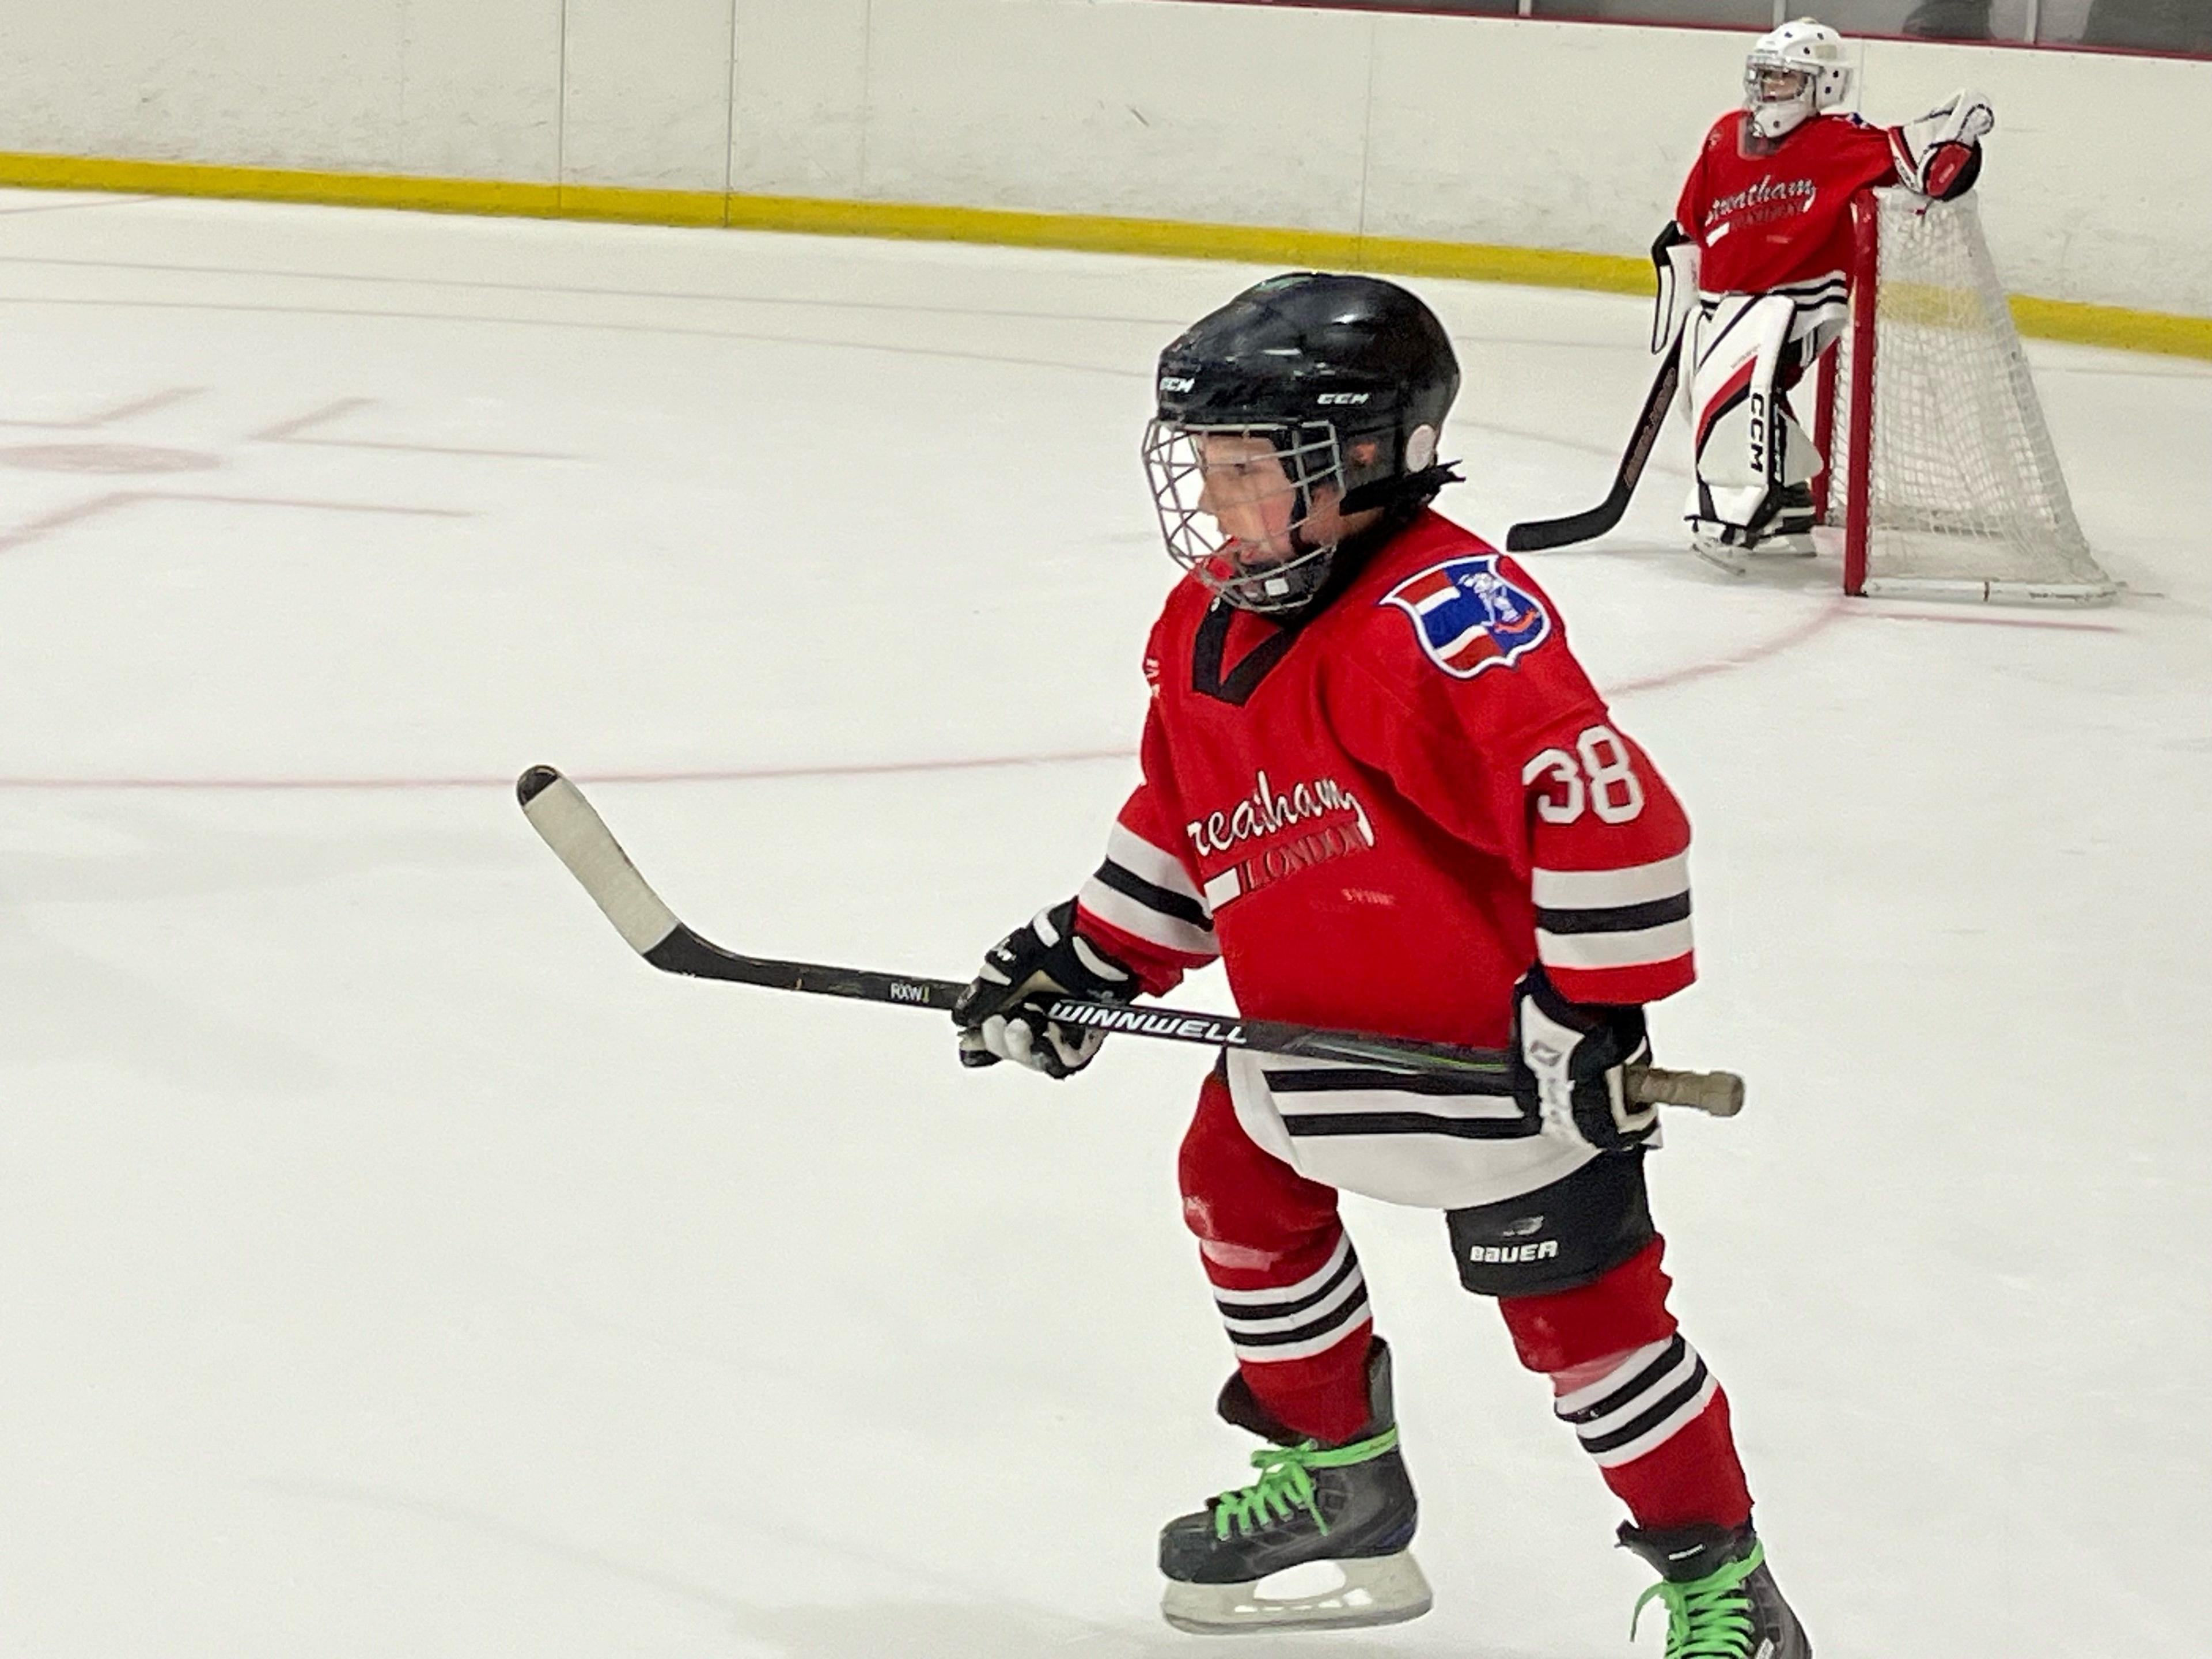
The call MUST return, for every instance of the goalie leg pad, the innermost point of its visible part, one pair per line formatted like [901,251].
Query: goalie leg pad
[1753,459]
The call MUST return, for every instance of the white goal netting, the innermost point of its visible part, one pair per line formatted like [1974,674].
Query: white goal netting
[1964,496]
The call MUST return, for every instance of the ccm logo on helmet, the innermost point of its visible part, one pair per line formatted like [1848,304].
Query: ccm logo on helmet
[1329,398]
[1177,383]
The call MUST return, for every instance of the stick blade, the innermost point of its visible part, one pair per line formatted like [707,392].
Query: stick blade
[1539,534]
[566,822]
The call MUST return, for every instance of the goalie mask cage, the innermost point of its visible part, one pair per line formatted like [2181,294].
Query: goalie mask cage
[1941,472]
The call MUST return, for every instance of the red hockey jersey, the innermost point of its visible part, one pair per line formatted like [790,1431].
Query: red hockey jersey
[1379,818]
[1766,215]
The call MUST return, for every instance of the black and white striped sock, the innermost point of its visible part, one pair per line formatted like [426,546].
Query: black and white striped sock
[1652,1394]
[1297,1321]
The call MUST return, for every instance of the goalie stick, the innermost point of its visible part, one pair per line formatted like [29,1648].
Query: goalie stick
[556,809]
[1538,534]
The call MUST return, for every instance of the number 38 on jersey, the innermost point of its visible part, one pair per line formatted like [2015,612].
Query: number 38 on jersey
[1599,776]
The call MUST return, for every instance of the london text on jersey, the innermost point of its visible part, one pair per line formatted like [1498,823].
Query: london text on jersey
[1265,817]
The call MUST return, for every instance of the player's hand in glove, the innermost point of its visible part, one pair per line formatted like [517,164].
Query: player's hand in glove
[1567,1059]
[1001,1013]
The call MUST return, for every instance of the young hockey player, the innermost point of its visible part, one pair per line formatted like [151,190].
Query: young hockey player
[1756,262]
[1380,788]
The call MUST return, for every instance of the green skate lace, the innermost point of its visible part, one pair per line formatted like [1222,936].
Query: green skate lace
[1285,1483]
[1707,1617]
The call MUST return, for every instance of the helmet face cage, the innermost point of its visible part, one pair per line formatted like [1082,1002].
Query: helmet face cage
[1310,457]
[1811,56]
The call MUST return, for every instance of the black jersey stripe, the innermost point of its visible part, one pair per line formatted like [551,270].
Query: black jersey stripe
[1366,1080]
[1316,1124]
[1168,903]
[1615,918]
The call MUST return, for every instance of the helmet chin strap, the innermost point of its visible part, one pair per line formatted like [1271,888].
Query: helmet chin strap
[1347,557]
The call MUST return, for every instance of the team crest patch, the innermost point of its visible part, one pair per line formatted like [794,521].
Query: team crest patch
[1469,617]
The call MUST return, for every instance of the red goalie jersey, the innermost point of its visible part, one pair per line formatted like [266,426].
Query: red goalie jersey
[1768,214]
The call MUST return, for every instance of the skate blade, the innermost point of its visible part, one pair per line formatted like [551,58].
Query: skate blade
[1719,555]
[1382,1589]
[1797,545]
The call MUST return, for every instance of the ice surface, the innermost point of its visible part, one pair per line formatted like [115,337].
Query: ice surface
[390,1264]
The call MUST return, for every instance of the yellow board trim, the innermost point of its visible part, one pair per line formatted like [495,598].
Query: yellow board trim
[2050,319]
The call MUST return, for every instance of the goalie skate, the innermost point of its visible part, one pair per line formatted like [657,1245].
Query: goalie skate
[1787,534]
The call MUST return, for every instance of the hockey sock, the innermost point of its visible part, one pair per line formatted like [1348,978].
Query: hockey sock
[1656,1424]
[1300,1326]
[1637,1396]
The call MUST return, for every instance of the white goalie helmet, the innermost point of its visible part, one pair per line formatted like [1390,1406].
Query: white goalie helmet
[1792,74]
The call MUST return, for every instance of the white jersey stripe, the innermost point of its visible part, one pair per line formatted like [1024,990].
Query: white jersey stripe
[1642,948]
[1131,916]
[1605,889]
[1155,864]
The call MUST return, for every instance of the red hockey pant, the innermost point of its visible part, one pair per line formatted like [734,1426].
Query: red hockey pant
[1290,1292]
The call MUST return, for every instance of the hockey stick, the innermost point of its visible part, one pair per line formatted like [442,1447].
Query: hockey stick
[556,809]
[1540,533]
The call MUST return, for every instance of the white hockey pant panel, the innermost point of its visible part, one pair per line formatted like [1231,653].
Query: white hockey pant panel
[1748,443]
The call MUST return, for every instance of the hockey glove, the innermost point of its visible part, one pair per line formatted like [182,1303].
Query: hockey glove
[1567,1059]
[1940,155]
[1001,1013]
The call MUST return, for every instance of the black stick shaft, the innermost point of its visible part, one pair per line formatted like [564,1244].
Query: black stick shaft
[580,838]
[1539,534]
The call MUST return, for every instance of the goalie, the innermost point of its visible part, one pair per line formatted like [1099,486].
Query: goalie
[1751,273]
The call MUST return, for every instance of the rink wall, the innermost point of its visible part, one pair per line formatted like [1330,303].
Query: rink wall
[1500,149]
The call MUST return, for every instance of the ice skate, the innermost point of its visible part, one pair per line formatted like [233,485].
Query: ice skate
[1719,545]
[1328,1524]
[1788,533]
[1721,1602]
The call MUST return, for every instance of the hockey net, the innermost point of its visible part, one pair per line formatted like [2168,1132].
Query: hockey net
[1941,475]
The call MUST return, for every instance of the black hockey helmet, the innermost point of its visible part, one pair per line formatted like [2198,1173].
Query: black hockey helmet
[1348,379]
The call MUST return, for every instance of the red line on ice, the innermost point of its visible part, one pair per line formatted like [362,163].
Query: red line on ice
[724,774]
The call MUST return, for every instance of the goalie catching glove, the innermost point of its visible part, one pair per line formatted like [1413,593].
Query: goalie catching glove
[1567,1059]
[1940,155]
[1001,1014]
